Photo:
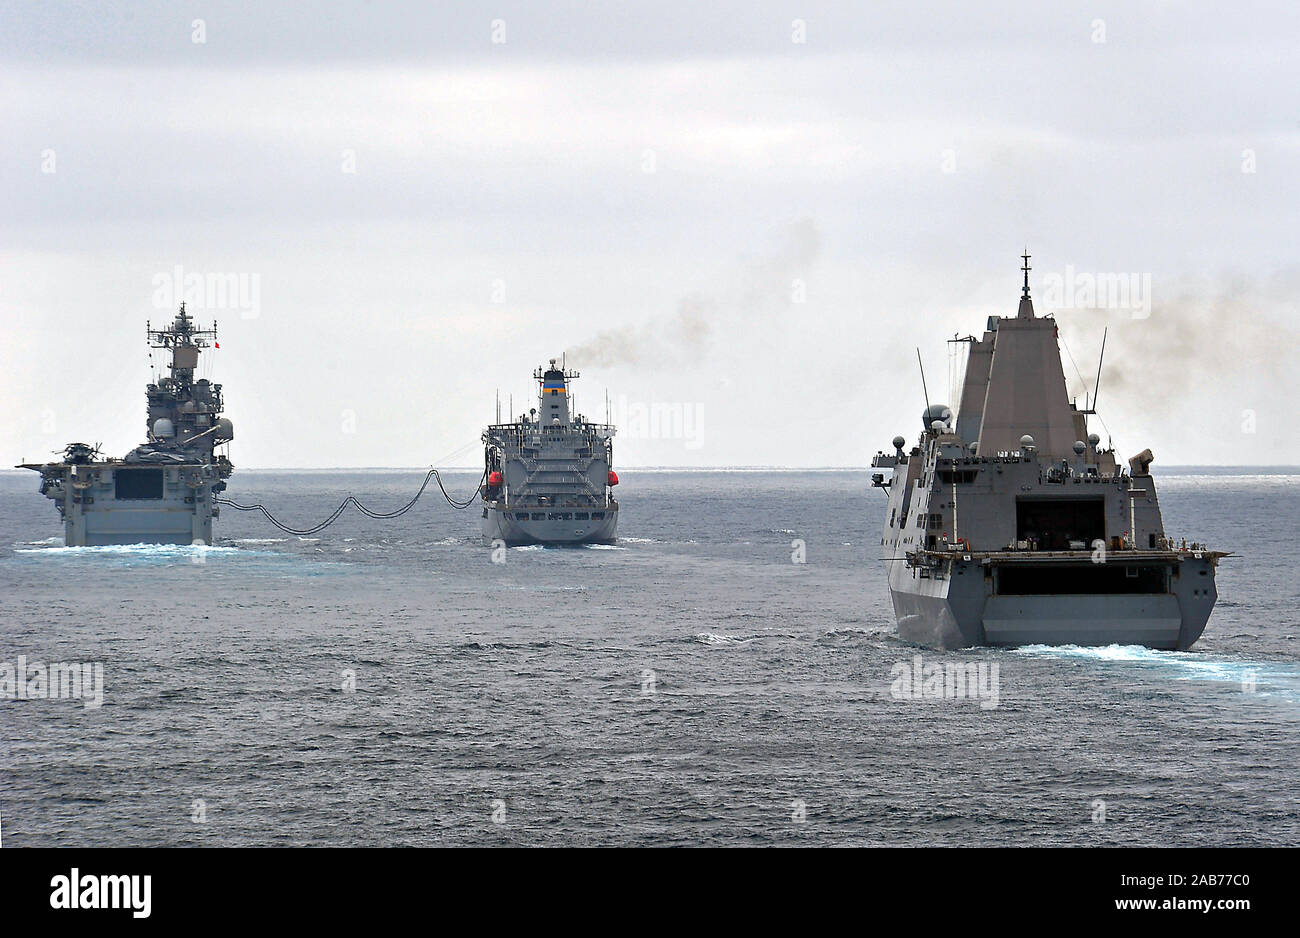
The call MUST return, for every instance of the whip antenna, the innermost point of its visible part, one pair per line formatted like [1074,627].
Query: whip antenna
[1100,358]
[923,387]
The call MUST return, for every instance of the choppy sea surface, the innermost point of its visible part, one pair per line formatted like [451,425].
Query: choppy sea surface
[690,685]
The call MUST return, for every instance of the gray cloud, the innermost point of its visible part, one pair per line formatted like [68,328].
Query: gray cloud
[500,212]
[243,32]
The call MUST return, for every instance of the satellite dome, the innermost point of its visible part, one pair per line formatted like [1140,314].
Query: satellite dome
[1094,439]
[163,429]
[225,431]
[938,426]
[899,442]
[1026,440]
[974,448]
[937,413]
[1079,447]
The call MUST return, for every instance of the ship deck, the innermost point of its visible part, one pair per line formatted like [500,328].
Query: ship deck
[1073,556]
[110,464]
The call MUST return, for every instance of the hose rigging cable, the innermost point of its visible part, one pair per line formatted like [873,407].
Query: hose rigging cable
[351,500]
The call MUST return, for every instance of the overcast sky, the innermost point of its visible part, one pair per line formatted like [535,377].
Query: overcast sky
[750,214]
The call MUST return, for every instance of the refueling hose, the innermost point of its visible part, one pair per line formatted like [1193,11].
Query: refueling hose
[351,500]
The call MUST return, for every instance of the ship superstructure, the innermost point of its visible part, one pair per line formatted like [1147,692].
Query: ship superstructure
[162,491]
[549,474]
[1009,524]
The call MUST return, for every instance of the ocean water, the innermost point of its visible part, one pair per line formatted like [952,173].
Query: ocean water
[691,685]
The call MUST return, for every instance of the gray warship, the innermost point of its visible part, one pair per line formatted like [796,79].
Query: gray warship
[162,491]
[548,476]
[1009,524]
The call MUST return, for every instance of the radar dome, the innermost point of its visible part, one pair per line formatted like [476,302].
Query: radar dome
[225,431]
[163,429]
[1094,439]
[940,413]
[1079,447]
[1026,440]
[899,442]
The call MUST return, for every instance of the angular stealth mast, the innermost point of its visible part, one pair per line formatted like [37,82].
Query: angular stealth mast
[1014,527]
[1021,389]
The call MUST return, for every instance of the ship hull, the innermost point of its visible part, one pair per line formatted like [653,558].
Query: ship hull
[548,527]
[114,525]
[957,605]
[107,504]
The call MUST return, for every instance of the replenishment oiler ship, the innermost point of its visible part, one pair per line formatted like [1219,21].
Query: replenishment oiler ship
[162,491]
[549,475]
[1008,524]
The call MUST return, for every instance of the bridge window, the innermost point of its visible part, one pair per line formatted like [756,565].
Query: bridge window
[959,476]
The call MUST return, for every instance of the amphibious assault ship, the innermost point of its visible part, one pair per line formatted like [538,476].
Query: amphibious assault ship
[162,491]
[548,475]
[1008,524]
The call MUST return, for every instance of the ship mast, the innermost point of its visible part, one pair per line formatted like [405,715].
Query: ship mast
[184,340]
[1026,310]
[182,411]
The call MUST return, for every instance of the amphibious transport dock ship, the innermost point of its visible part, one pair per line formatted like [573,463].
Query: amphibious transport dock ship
[549,475]
[1010,525]
[162,491]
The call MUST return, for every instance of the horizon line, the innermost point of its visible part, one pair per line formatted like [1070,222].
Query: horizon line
[720,468]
